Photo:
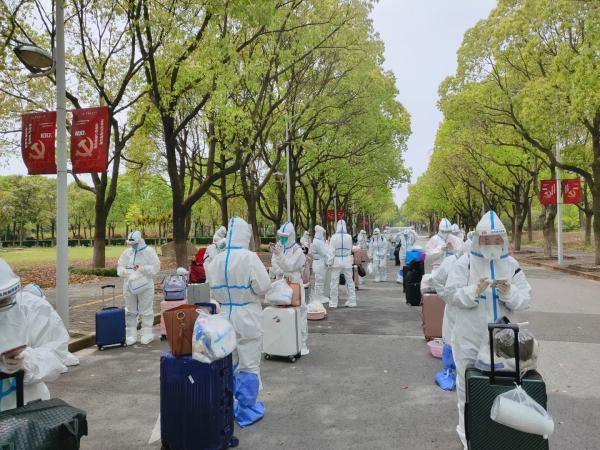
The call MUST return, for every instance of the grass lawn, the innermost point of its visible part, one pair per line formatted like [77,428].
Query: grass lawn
[23,259]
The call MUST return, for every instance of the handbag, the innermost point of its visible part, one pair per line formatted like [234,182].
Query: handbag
[361,271]
[138,283]
[296,296]
[179,323]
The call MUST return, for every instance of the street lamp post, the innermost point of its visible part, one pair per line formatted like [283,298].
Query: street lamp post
[559,233]
[40,63]
[287,171]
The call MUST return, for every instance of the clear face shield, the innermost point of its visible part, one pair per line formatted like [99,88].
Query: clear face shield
[491,246]
[7,303]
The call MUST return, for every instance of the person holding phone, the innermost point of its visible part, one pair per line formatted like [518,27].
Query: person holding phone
[484,286]
[33,338]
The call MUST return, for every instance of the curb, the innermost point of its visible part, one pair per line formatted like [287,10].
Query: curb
[577,273]
[89,340]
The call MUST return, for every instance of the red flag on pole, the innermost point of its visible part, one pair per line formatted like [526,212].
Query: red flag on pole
[89,140]
[571,190]
[38,132]
[548,194]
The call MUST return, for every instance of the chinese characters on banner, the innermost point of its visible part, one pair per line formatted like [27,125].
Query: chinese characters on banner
[89,140]
[571,192]
[37,142]
[331,215]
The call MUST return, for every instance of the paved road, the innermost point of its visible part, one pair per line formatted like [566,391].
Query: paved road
[367,383]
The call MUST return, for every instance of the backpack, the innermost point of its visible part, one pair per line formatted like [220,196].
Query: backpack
[174,287]
[197,273]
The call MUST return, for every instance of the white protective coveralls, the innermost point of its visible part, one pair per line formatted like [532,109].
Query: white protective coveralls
[288,261]
[320,253]
[468,243]
[479,302]
[138,265]
[28,319]
[456,231]
[237,280]
[362,240]
[408,239]
[378,252]
[441,245]
[305,239]
[341,247]
[216,247]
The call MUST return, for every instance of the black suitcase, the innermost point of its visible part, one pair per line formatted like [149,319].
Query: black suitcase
[482,388]
[41,424]
[413,287]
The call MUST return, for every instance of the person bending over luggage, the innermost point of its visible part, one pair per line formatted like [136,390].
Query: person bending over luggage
[216,247]
[33,338]
[288,261]
[237,279]
[485,285]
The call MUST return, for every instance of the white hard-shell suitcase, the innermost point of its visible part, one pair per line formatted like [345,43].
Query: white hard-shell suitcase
[282,332]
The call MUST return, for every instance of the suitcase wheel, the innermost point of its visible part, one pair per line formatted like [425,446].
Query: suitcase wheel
[234,442]
[292,358]
[123,344]
[164,446]
[100,348]
[267,356]
[163,337]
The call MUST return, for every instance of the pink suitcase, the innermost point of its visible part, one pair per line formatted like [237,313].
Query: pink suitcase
[164,306]
[432,313]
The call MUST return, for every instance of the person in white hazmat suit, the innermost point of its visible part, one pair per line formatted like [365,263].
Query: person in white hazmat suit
[341,247]
[378,252]
[457,232]
[237,280]
[362,240]
[442,245]
[138,264]
[27,319]
[485,285]
[216,247]
[320,252]
[305,240]
[409,239]
[288,261]
[468,243]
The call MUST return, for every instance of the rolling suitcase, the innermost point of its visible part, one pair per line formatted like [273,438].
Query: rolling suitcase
[110,323]
[282,332]
[42,424]
[165,305]
[482,388]
[196,404]
[432,315]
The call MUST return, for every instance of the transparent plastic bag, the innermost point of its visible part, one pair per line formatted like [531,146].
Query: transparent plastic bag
[504,354]
[517,410]
[280,293]
[214,338]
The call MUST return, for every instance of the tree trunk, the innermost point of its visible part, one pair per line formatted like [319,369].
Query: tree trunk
[548,216]
[529,223]
[180,236]
[223,189]
[588,226]
[253,219]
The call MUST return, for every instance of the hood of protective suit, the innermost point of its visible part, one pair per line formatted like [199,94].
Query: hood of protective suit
[470,235]
[10,284]
[238,234]
[444,227]
[319,232]
[341,227]
[288,230]
[376,232]
[135,240]
[219,234]
[362,234]
[490,224]
[455,229]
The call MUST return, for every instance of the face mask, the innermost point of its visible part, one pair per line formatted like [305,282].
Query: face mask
[283,240]
[221,245]
[491,251]
[7,303]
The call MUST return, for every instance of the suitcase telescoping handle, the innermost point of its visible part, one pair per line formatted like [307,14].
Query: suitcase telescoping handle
[504,326]
[106,286]
[20,377]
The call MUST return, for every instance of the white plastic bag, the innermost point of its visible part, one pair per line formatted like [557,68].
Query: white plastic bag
[213,339]
[138,283]
[369,268]
[516,409]
[280,293]
[316,307]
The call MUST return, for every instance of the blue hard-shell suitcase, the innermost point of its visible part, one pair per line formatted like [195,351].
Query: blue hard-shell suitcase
[196,404]
[110,323]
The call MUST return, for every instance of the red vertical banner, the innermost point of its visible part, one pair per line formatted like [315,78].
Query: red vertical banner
[89,140]
[341,214]
[38,132]
[330,215]
[571,191]
[548,194]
